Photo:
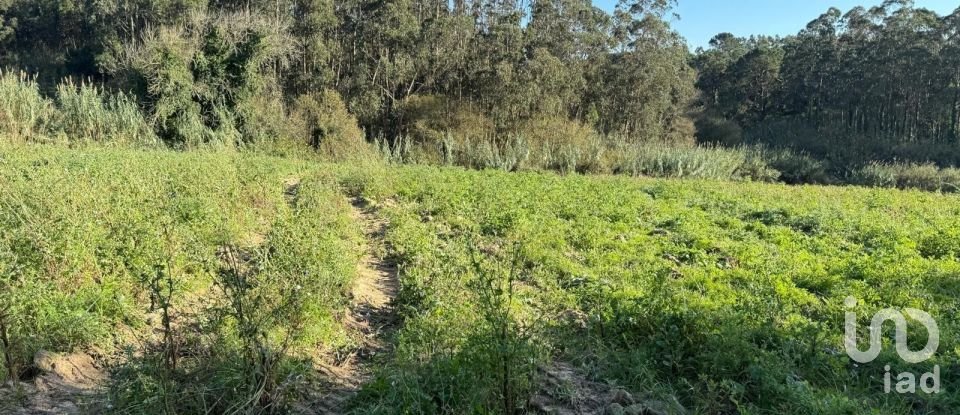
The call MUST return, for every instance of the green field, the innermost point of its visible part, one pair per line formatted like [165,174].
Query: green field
[693,296]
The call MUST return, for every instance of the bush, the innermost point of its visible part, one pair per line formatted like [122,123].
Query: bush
[756,168]
[327,126]
[437,130]
[717,130]
[796,168]
[557,143]
[792,133]
[430,119]
[941,153]
[908,176]
[265,119]
[206,79]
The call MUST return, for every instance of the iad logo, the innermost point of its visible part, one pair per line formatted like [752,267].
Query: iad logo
[906,382]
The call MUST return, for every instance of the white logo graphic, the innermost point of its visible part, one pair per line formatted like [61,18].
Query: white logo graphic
[929,382]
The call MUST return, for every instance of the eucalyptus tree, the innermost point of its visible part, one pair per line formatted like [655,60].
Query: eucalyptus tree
[568,42]
[650,83]
[951,56]
[884,79]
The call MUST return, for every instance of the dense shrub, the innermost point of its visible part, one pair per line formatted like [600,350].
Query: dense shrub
[756,168]
[942,153]
[210,80]
[437,130]
[327,127]
[430,119]
[796,168]
[840,149]
[908,175]
[266,119]
[789,133]
[557,143]
[717,130]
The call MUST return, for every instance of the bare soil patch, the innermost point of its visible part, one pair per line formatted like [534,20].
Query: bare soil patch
[64,384]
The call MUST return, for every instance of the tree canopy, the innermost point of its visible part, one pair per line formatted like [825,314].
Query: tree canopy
[887,76]
[196,64]
[884,80]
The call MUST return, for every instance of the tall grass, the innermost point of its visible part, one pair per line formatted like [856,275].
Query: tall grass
[25,115]
[667,160]
[576,150]
[88,114]
[507,153]
[79,114]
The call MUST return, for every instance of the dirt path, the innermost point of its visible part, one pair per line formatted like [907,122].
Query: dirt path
[371,318]
[65,384]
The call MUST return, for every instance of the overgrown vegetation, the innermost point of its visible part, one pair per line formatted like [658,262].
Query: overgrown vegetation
[547,85]
[237,267]
[225,278]
[187,227]
[727,297]
[229,74]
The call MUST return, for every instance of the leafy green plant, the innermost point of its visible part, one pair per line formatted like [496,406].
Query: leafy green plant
[508,344]
[720,297]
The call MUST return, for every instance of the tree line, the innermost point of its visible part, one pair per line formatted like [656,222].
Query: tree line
[883,81]
[209,68]
[871,80]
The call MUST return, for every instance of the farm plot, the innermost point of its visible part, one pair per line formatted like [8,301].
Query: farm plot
[688,296]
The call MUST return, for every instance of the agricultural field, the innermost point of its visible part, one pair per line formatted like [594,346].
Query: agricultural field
[698,296]
[198,280]
[479,207]
[233,283]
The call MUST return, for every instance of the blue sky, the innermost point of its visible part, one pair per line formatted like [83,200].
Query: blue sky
[700,20]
